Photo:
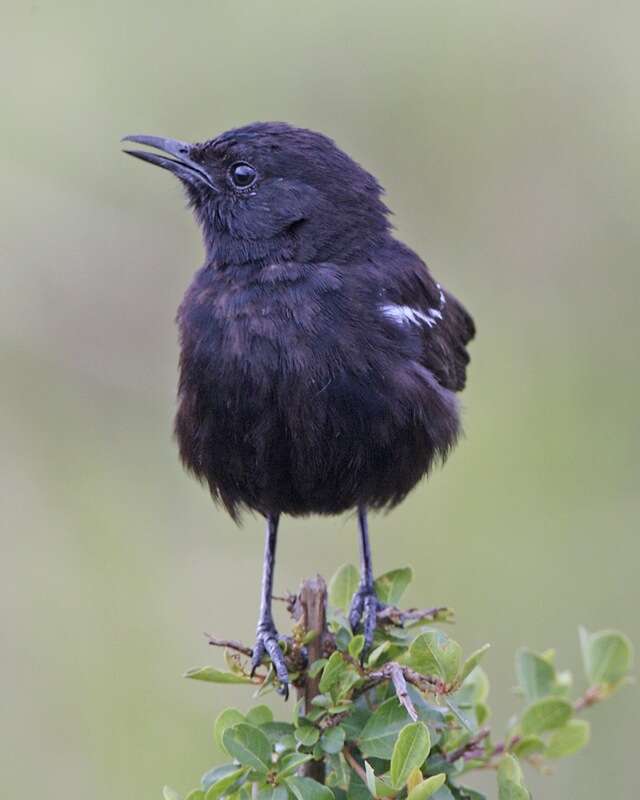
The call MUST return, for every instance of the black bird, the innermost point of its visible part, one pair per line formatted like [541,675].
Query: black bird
[319,358]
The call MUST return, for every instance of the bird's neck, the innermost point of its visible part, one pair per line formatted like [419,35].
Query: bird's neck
[342,245]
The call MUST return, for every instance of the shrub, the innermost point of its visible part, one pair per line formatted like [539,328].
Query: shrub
[409,720]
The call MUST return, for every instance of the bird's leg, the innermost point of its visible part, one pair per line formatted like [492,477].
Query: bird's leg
[267,638]
[365,605]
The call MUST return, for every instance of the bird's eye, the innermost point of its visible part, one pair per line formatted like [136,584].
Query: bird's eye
[242,175]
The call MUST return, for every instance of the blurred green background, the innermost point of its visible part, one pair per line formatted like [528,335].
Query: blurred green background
[506,135]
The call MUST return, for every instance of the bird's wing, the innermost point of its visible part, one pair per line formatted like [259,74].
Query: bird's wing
[415,300]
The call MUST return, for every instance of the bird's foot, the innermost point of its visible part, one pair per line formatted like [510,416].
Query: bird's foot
[268,643]
[364,613]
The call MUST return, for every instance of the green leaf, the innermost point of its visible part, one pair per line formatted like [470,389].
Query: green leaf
[415,778]
[382,728]
[427,788]
[259,715]
[569,739]
[355,721]
[536,675]
[474,689]
[343,586]
[510,780]
[277,732]
[272,793]
[508,790]
[443,793]
[216,774]
[306,733]
[457,713]
[391,586]
[482,713]
[218,788]
[378,652]
[410,751]
[332,740]
[371,778]
[195,794]
[528,746]
[607,655]
[509,769]
[334,671]
[356,645]
[308,789]
[338,676]
[428,713]
[225,719]
[358,790]
[383,789]
[343,637]
[309,637]
[248,745]
[546,715]
[289,764]
[465,793]
[213,675]
[433,653]
[316,668]
[472,662]
[170,794]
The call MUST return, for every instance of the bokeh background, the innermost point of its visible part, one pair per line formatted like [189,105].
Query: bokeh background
[506,135]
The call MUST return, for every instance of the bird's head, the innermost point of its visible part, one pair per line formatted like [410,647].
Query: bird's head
[271,192]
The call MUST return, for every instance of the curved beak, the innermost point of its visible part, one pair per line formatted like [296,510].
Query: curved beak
[181,163]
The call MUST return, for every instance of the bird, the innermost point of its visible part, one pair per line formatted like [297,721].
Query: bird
[320,361]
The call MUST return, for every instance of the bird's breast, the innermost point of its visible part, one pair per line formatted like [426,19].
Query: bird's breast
[268,328]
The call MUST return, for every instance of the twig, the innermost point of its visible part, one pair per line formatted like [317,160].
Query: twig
[501,747]
[592,696]
[289,600]
[400,685]
[470,749]
[312,605]
[351,761]
[426,683]
[230,645]
[331,720]
[397,617]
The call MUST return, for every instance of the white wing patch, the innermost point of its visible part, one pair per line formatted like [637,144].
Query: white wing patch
[404,314]
[407,314]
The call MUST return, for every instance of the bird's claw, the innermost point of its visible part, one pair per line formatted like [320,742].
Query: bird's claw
[364,612]
[268,643]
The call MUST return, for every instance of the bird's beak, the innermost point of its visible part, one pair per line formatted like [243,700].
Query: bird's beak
[181,164]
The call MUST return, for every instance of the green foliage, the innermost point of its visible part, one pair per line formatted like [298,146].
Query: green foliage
[391,586]
[411,723]
[409,752]
[427,788]
[433,653]
[213,675]
[343,586]
[510,780]
[607,658]
[249,746]
[568,739]
[547,714]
